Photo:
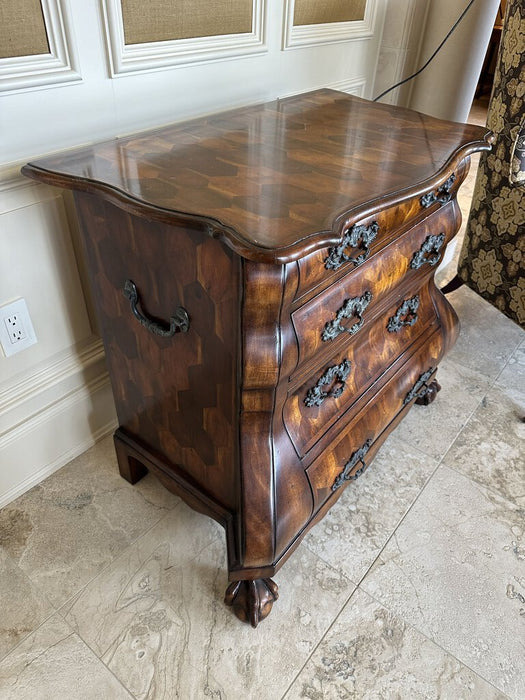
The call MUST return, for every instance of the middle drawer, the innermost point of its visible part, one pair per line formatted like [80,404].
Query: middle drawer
[331,390]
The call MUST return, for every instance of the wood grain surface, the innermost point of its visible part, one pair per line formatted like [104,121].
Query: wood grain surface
[276,179]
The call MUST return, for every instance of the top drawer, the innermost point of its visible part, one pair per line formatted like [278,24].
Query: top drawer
[368,237]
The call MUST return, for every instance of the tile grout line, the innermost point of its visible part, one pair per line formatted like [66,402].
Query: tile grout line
[76,634]
[393,612]
[357,586]
[433,641]
[439,464]
[58,610]
[490,388]
[332,623]
[401,520]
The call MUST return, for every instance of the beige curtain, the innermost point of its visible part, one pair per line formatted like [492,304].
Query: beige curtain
[492,260]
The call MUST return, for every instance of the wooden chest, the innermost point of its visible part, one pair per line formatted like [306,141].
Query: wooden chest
[264,281]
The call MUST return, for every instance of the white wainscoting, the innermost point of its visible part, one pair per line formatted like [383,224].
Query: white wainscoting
[58,66]
[296,36]
[55,397]
[128,58]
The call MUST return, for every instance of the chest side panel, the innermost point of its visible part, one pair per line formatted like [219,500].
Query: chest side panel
[177,395]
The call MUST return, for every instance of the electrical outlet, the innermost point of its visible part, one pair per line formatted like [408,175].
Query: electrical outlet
[16,329]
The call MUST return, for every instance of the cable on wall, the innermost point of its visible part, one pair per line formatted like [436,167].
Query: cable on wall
[410,77]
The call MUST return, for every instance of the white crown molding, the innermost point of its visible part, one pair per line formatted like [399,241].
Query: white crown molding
[331,32]
[158,55]
[59,66]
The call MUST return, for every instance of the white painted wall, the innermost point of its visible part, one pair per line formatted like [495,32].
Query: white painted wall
[401,46]
[55,399]
[446,88]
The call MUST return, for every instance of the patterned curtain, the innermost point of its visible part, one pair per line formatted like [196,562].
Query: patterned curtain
[492,260]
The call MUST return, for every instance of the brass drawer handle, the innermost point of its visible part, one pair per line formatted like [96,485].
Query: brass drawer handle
[359,237]
[178,323]
[441,195]
[335,379]
[358,456]
[353,307]
[429,251]
[406,315]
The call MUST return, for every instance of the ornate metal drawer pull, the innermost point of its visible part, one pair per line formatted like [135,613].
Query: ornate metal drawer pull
[442,194]
[335,379]
[357,237]
[358,456]
[353,307]
[406,315]
[432,244]
[179,322]
[420,387]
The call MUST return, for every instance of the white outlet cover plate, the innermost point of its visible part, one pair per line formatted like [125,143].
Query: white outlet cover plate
[18,307]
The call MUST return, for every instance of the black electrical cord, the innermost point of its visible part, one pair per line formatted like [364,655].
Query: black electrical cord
[402,82]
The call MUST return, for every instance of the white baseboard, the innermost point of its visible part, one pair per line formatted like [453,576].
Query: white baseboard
[44,443]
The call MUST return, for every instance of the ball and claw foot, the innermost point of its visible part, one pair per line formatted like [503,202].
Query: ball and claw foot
[429,394]
[252,600]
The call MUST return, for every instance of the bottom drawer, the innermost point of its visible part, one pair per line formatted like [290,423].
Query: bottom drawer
[350,454]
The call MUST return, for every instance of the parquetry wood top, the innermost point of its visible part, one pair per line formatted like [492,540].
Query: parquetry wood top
[275,180]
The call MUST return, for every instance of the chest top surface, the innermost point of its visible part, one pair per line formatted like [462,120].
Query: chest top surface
[275,180]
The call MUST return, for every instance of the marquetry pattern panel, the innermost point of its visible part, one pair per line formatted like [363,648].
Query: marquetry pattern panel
[176,393]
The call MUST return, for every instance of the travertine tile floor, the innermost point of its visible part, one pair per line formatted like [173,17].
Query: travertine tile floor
[412,587]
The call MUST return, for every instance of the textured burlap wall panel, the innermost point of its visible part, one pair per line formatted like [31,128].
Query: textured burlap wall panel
[22,28]
[326,11]
[165,20]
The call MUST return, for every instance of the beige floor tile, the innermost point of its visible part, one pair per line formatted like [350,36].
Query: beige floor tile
[156,617]
[54,664]
[455,570]
[370,653]
[491,447]
[512,378]
[22,606]
[66,529]
[355,530]
[432,429]
[487,338]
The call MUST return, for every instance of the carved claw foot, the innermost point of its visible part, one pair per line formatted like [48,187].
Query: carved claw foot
[429,394]
[252,600]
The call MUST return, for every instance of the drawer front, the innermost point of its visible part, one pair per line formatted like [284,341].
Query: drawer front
[345,309]
[322,267]
[332,388]
[357,444]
